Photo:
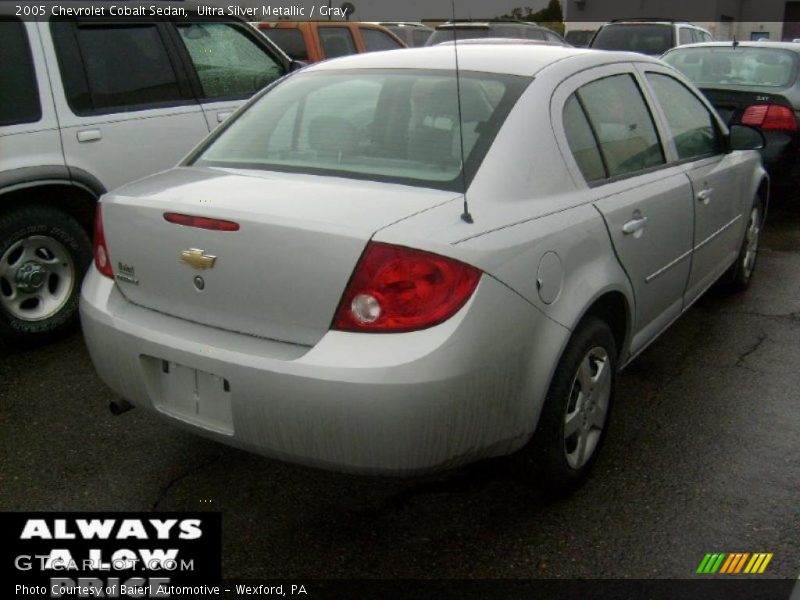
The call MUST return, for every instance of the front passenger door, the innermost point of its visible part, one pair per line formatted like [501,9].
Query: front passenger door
[699,145]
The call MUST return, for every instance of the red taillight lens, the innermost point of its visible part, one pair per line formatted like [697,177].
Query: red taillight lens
[770,117]
[101,259]
[395,289]
[201,222]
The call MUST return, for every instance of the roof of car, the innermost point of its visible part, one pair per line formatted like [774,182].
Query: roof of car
[513,59]
[748,44]
[499,42]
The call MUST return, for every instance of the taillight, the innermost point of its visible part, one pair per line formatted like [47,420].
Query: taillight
[201,222]
[395,289]
[770,117]
[101,259]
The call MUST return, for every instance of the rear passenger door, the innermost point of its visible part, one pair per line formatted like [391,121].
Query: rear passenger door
[28,126]
[697,141]
[646,202]
[124,104]
[227,64]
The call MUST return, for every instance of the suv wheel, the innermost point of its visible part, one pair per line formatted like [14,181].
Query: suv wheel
[44,254]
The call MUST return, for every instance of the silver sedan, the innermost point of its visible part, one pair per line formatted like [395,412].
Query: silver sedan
[383,264]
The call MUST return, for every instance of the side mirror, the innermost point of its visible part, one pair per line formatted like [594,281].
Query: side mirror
[745,137]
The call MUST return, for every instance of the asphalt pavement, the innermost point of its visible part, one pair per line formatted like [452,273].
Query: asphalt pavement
[702,457]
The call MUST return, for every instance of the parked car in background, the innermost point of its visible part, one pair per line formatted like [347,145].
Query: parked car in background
[579,38]
[312,41]
[756,84]
[413,34]
[648,36]
[463,30]
[385,266]
[85,106]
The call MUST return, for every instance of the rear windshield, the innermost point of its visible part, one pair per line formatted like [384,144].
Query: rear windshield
[652,38]
[756,67]
[463,33]
[398,126]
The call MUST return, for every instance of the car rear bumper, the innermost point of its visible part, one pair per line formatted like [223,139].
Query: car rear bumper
[466,389]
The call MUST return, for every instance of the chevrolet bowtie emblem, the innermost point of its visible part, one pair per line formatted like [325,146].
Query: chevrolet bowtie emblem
[197,259]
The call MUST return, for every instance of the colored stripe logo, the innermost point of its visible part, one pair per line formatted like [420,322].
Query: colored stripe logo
[734,563]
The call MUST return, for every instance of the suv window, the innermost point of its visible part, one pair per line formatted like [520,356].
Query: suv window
[19,96]
[686,36]
[107,68]
[420,36]
[647,38]
[336,41]
[581,141]
[622,124]
[692,126]
[228,63]
[375,40]
[290,41]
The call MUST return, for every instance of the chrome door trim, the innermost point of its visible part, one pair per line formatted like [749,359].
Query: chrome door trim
[718,231]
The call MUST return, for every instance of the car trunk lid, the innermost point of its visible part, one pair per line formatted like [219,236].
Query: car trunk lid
[280,275]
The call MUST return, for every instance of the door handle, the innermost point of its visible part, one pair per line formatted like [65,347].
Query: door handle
[634,225]
[89,135]
[704,195]
[221,116]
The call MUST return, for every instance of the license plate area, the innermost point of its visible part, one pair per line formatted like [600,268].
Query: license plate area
[191,395]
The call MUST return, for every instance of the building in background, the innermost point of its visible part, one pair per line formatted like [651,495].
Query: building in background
[745,19]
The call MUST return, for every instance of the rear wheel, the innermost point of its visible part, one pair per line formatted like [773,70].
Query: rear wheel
[44,254]
[574,417]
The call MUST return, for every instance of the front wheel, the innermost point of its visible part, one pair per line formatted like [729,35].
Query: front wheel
[574,417]
[741,272]
[44,254]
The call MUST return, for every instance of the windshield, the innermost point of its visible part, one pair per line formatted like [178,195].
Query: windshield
[653,38]
[385,125]
[757,67]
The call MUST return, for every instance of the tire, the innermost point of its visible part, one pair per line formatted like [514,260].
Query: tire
[741,272]
[44,254]
[569,417]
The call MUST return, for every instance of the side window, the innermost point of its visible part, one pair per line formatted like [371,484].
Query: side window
[290,41]
[336,41]
[375,40]
[692,126]
[420,36]
[19,96]
[582,141]
[622,123]
[685,36]
[111,68]
[228,63]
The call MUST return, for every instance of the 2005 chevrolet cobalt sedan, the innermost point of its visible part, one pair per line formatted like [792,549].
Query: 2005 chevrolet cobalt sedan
[325,280]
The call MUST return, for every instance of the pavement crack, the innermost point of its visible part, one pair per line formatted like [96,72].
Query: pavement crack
[744,355]
[180,477]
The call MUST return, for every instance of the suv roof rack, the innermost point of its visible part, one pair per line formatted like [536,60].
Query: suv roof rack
[646,20]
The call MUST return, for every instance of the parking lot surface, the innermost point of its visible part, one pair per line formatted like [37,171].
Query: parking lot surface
[702,457]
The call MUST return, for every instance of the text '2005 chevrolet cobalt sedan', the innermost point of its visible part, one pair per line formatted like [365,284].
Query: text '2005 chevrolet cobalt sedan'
[326,281]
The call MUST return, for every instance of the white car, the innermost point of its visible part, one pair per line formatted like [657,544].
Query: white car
[86,106]
[365,271]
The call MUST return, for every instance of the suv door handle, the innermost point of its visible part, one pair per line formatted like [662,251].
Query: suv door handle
[634,225]
[89,135]
[705,195]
